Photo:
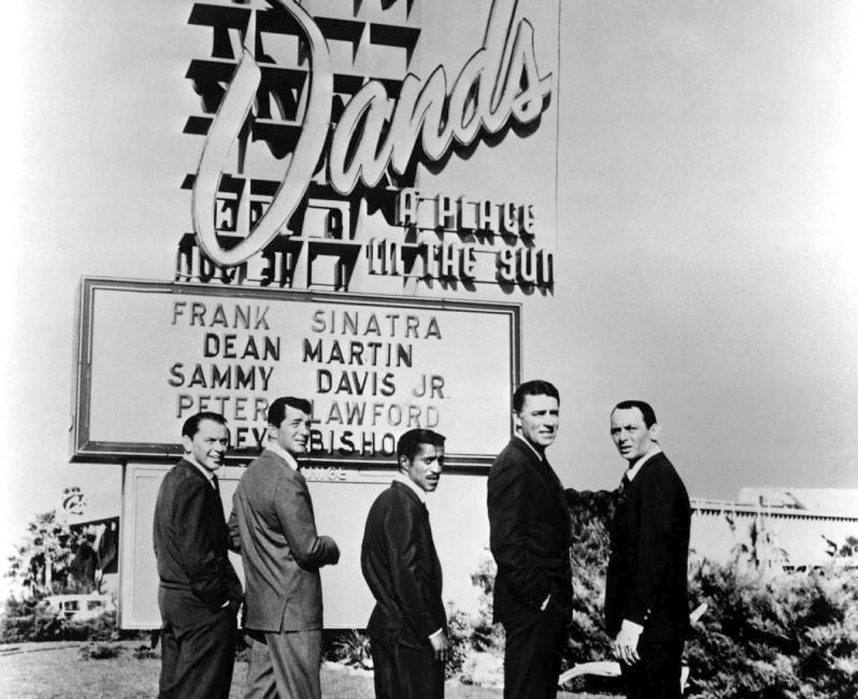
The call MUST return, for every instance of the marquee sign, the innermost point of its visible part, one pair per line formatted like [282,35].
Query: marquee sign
[150,354]
[329,128]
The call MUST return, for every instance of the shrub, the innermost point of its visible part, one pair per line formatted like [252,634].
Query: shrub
[101,628]
[792,636]
[100,651]
[144,652]
[350,648]
[32,619]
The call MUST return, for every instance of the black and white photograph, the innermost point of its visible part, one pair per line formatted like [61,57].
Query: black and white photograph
[427,348]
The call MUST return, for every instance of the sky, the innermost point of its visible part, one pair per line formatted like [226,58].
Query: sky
[707,253]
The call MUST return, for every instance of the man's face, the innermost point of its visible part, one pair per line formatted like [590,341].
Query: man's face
[631,436]
[293,434]
[425,468]
[208,445]
[538,420]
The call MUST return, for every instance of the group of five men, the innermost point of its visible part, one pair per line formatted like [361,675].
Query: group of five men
[273,526]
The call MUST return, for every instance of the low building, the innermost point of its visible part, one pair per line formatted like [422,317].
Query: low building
[775,528]
[80,607]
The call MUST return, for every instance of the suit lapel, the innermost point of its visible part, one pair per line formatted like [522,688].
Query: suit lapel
[407,492]
[542,468]
[193,469]
[634,485]
[282,463]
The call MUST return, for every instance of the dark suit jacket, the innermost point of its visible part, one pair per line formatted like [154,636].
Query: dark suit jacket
[191,538]
[648,566]
[530,535]
[273,525]
[401,567]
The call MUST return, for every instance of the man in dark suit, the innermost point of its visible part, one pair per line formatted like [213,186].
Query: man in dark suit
[408,626]
[646,598]
[199,592]
[273,525]
[530,538]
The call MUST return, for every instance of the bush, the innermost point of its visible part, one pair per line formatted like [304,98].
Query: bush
[101,628]
[350,648]
[32,620]
[144,652]
[793,636]
[100,651]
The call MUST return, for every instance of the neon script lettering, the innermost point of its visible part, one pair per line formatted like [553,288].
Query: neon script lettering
[499,82]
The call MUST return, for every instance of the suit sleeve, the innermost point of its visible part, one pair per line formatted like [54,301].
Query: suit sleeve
[507,495]
[197,552]
[295,515]
[658,525]
[411,578]
[234,540]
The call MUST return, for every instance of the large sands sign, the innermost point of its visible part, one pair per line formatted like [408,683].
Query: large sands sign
[393,147]
[151,354]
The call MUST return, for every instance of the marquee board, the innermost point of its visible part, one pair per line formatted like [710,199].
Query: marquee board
[150,354]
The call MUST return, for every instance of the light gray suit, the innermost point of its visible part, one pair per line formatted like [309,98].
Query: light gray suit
[273,525]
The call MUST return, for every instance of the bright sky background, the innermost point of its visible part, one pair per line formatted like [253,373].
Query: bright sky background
[707,254]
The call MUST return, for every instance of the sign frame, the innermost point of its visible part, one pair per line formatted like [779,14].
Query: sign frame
[84,449]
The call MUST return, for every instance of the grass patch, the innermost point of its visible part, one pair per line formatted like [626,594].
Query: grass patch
[57,671]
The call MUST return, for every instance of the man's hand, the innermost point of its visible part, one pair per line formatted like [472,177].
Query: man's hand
[441,646]
[334,555]
[625,645]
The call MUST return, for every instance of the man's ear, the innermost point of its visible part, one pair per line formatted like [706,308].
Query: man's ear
[516,420]
[654,431]
[187,443]
[404,463]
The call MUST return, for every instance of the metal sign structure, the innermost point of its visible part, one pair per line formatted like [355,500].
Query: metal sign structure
[374,203]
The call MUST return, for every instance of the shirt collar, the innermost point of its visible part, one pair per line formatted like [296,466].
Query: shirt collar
[405,480]
[539,456]
[283,454]
[633,471]
[202,469]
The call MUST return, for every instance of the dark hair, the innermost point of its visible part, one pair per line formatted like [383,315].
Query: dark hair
[192,424]
[277,410]
[408,442]
[645,408]
[536,387]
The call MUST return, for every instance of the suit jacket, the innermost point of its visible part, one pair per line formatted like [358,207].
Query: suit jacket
[401,567]
[648,567]
[273,525]
[530,535]
[190,538]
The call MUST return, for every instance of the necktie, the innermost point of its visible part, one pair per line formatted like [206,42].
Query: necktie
[215,484]
[624,483]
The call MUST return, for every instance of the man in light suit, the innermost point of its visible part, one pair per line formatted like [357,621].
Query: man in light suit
[646,597]
[273,525]
[408,626]
[199,592]
[530,539]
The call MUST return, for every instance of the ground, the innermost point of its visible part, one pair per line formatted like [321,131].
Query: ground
[57,670]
